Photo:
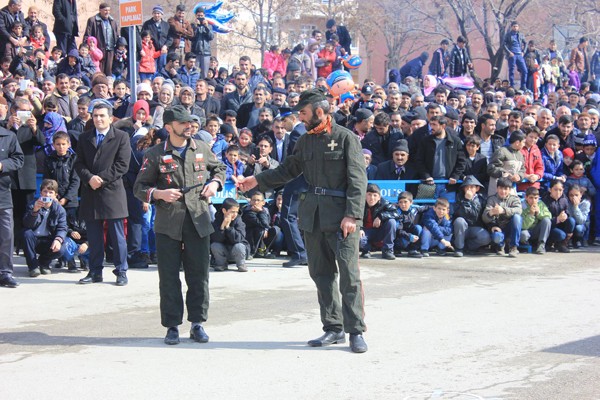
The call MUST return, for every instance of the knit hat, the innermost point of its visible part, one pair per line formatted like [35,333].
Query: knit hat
[568,152]
[158,9]
[367,152]
[590,140]
[100,79]
[144,87]
[401,145]
[363,113]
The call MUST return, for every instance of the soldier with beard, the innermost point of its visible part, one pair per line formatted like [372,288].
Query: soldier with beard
[330,213]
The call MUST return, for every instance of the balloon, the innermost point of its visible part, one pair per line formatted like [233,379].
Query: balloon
[215,17]
[340,82]
[352,62]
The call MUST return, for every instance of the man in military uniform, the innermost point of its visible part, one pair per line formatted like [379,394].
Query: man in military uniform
[179,176]
[330,214]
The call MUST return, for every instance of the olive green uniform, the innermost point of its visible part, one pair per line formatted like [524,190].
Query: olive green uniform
[334,169]
[183,224]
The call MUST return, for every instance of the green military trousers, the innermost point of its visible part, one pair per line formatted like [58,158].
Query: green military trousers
[328,255]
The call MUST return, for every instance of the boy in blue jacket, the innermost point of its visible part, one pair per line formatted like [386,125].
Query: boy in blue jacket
[437,228]
[408,231]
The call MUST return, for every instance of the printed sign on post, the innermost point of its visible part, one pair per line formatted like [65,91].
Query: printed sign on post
[131,12]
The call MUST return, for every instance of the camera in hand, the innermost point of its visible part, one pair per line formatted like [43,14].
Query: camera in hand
[45,199]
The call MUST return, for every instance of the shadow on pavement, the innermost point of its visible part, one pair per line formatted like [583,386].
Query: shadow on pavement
[585,347]
[42,339]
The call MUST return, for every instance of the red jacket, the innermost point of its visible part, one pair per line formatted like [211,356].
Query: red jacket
[147,63]
[533,165]
[328,57]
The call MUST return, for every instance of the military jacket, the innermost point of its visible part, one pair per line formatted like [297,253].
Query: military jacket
[331,161]
[164,168]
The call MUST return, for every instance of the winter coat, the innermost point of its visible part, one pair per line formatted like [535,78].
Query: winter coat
[556,206]
[65,17]
[511,205]
[158,39]
[470,210]
[179,31]
[530,221]
[95,28]
[439,227]
[534,164]
[581,213]
[553,166]
[147,61]
[62,171]
[56,221]
[584,182]
[236,233]
[203,35]
[384,210]
[459,60]
[274,62]
[455,157]
[11,158]
[110,162]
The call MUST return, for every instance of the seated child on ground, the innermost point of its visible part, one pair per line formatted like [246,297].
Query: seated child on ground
[468,226]
[228,241]
[379,224]
[562,224]
[437,228]
[579,210]
[408,232]
[536,221]
[258,227]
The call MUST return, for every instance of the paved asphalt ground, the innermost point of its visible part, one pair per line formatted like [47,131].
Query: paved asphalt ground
[439,328]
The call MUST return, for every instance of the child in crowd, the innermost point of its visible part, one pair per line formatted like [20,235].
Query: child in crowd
[574,79]
[58,165]
[71,65]
[16,33]
[147,65]
[88,66]
[408,231]
[568,158]
[507,162]
[246,145]
[95,53]
[578,177]
[476,163]
[536,220]
[562,224]
[76,243]
[437,228]
[502,215]
[120,59]
[468,227]
[36,38]
[532,156]
[45,230]
[553,161]
[275,213]
[235,168]
[258,227]
[579,210]
[379,224]
[218,143]
[55,58]
[228,241]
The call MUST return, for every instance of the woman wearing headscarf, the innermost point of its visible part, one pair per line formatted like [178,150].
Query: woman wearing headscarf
[53,122]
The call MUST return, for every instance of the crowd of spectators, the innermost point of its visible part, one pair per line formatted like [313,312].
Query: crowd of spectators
[506,164]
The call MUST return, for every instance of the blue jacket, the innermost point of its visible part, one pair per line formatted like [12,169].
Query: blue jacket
[407,220]
[54,218]
[413,68]
[552,167]
[189,78]
[439,227]
[219,147]
[229,171]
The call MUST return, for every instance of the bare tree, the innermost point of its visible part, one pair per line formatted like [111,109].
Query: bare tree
[488,20]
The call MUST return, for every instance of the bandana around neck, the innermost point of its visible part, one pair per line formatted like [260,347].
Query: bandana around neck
[323,126]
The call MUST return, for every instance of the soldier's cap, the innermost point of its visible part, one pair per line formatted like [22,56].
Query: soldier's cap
[311,96]
[177,113]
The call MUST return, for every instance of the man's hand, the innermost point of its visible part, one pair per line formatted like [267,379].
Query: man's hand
[13,120]
[428,181]
[55,247]
[95,182]
[451,181]
[348,225]
[511,54]
[376,223]
[62,201]
[168,195]
[145,207]
[83,248]
[75,235]
[210,189]
[247,183]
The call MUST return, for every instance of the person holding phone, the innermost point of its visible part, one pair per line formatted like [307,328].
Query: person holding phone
[45,224]
[203,35]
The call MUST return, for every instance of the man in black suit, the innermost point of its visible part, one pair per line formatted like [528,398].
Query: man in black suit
[341,31]
[281,140]
[248,113]
[66,27]
[103,155]
[398,168]
[159,30]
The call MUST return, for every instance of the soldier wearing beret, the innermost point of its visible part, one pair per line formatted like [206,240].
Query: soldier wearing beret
[179,176]
[330,215]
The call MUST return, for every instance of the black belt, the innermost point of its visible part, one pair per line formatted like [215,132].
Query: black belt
[321,191]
